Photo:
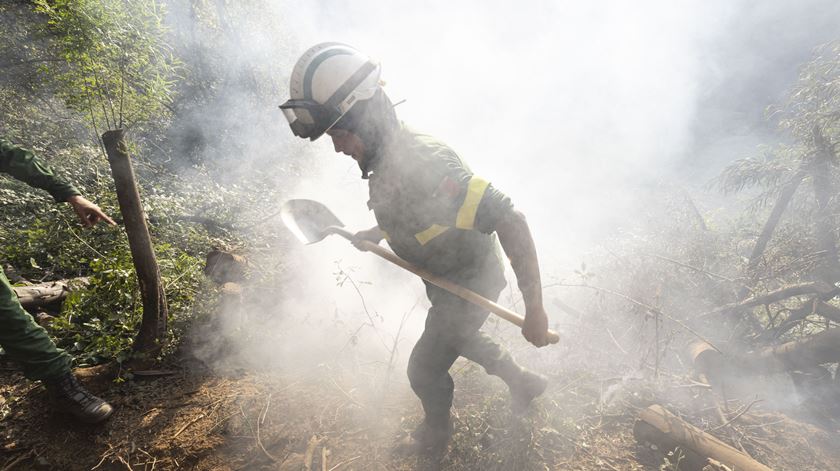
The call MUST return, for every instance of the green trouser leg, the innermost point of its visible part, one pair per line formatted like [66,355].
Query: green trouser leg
[25,341]
[452,330]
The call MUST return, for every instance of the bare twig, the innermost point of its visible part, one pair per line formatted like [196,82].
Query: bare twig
[697,269]
[364,304]
[585,450]
[736,416]
[19,459]
[347,461]
[612,337]
[200,416]
[650,309]
[581,315]
[105,455]
[346,394]
[397,339]
[265,411]
[257,435]
[816,287]
[123,461]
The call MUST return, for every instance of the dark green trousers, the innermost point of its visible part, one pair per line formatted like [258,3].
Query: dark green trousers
[452,330]
[26,342]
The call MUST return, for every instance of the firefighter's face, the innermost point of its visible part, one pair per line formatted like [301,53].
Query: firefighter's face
[347,143]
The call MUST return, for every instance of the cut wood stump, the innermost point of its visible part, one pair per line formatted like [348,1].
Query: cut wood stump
[223,267]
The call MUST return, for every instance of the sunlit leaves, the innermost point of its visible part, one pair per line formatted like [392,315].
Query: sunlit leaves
[117,68]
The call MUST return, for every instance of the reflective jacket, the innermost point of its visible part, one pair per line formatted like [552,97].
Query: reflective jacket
[435,213]
[23,165]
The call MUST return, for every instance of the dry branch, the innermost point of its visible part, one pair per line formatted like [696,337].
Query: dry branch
[816,287]
[651,311]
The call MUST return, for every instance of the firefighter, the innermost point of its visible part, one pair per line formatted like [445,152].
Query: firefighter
[21,337]
[434,213]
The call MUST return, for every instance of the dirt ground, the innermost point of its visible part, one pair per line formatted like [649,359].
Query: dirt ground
[343,414]
[197,419]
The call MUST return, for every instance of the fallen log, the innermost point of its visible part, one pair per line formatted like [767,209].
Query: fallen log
[658,426]
[50,293]
[795,355]
[223,267]
[801,354]
[829,311]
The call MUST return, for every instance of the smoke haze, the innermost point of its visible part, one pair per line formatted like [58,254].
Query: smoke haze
[587,114]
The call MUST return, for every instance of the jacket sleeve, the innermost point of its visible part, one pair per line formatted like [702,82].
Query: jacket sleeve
[475,204]
[23,165]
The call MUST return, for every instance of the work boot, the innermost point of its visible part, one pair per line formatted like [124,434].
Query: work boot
[431,437]
[68,395]
[529,386]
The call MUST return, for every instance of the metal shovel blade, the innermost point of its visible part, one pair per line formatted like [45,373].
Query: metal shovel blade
[308,220]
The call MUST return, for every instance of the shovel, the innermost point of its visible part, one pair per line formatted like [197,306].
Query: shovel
[311,221]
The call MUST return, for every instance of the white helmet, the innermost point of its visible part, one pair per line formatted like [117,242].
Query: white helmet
[327,81]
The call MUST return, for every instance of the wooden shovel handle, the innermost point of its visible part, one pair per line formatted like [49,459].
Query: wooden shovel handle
[453,288]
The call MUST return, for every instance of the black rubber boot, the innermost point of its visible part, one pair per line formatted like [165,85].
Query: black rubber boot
[68,395]
[525,389]
[430,437]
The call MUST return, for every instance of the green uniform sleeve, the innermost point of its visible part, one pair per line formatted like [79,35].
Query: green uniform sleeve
[475,204]
[23,165]
[493,207]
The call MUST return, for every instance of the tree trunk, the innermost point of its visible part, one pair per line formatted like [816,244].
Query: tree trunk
[155,312]
[798,354]
[829,269]
[773,221]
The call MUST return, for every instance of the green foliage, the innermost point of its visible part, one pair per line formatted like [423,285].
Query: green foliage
[100,322]
[116,66]
[811,113]
[814,103]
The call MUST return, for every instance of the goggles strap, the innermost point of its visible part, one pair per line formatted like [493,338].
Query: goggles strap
[349,85]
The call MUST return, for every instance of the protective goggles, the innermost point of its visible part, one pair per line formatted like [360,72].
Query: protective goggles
[310,119]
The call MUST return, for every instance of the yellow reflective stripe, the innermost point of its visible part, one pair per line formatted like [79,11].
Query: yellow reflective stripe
[433,231]
[475,191]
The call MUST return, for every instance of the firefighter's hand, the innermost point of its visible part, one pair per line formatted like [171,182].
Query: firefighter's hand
[89,213]
[374,235]
[535,328]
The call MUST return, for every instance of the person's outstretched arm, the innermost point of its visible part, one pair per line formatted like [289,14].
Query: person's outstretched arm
[23,165]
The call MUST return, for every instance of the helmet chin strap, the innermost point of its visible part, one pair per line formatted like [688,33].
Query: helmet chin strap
[364,166]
